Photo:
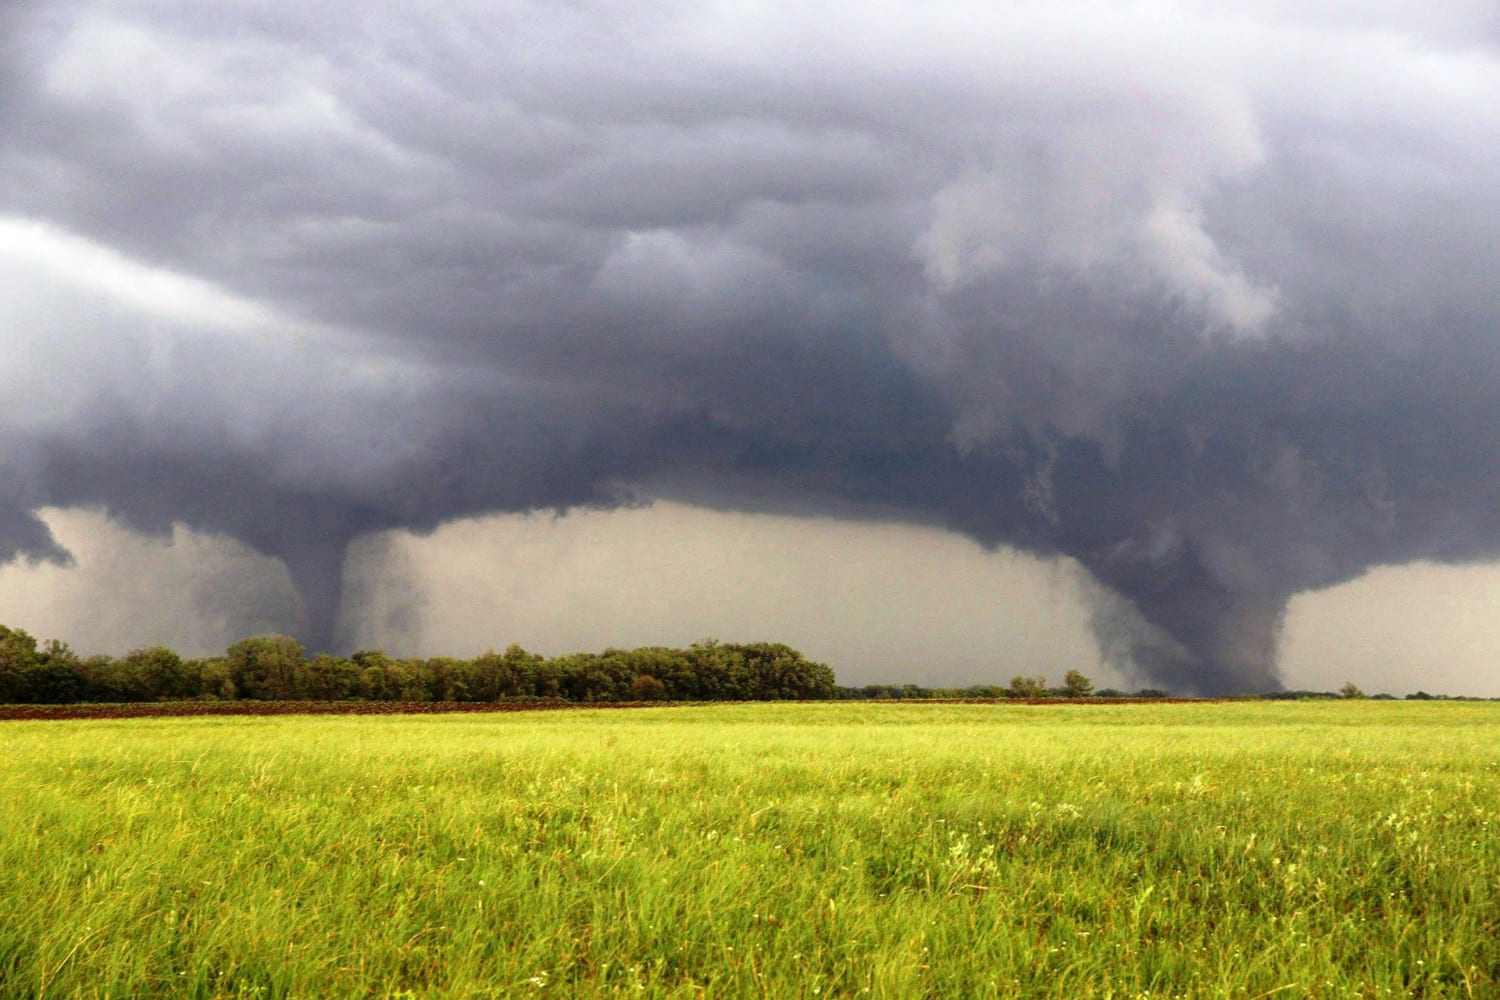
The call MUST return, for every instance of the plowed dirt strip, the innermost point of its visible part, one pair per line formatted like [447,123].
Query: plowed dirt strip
[170,709]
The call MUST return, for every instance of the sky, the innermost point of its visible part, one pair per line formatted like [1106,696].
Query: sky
[944,341]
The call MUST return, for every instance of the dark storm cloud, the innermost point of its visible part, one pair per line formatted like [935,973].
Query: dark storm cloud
[1199,294]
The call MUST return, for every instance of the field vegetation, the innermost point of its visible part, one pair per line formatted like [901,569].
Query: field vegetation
[1322,849]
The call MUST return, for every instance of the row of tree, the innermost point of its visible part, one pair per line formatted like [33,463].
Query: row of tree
[276,668]
[1074,685]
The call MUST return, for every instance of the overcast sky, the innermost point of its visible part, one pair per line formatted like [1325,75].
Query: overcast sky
[1132,335]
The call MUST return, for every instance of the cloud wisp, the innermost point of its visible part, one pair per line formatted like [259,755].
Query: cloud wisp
[1199,295]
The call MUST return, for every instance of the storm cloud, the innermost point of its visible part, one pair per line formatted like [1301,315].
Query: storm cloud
[1201,295]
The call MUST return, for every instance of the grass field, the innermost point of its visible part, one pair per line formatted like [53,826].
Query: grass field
[1213,850]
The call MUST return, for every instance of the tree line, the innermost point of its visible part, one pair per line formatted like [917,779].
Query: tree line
[1074,685]
[277,668]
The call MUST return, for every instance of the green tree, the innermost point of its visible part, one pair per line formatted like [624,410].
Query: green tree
[18,658]
[377,675]
[774,671]
[329,678]
[514,673]
[1076,685]
[209,679]
[57,675]
[266,667]
[414,680]
[647,688]
[1027,687]
[152,673]
[1351,690]
[450,678]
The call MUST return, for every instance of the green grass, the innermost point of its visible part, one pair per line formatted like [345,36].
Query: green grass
[1224,850]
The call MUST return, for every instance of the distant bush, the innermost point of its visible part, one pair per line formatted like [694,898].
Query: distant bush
[1027,687]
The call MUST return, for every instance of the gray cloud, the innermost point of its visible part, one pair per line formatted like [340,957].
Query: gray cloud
[1200,295]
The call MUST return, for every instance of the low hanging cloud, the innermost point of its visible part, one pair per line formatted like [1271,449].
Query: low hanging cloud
[1199,295]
